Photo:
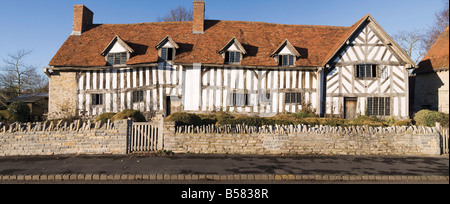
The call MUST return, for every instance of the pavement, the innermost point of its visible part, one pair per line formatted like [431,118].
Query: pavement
[186,168]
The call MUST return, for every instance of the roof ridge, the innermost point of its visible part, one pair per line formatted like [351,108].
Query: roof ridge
[278,24]
[223,21]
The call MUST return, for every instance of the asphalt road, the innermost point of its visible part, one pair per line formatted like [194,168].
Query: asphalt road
[227,165]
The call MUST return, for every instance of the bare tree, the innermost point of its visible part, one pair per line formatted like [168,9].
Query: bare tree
[412,43]
[440,24]
[18,76]
[178,14]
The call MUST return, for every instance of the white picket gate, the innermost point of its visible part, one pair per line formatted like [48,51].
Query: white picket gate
[144,137]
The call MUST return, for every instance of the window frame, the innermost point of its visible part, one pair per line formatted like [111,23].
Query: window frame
[288,62]
[378,106]
[97,99]
[289,99]
[138,96]
[235,55]
[367,72]
[120,57]
[234,99]
[169,54]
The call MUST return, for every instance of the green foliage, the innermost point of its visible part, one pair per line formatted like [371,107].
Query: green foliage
[185,119]
[408,122]
[135,115]
[19,112]
[304,114]
[104,117]
[305,118]
[429,118]
[367,120]
[4,115]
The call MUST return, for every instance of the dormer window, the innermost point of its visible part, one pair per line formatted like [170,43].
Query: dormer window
[286,54]
[167,54]
[233,52]
[167,49]
[286,60]
[117,58]
[232,57]
[117,52]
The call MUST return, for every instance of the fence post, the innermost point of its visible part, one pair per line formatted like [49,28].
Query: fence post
[438,127]
[129,134]
[160,145]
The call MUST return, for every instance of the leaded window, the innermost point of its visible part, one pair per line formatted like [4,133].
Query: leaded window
[239,99]
[286,60]
[138,96]
[364,71]
[117,58]
[379,106]
[97,99]
[167,54]
[293,98]
[232,57]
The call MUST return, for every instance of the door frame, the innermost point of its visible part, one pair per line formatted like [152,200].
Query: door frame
[345,105]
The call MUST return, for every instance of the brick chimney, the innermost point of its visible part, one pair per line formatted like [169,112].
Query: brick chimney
[82,17]
[198,17]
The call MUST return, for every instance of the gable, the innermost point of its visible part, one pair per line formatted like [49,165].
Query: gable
[367,46]
[233,45]
[286,48]
[369,43]
[116,48]
[117,45]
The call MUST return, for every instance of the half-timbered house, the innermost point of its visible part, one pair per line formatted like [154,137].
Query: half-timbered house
[235,66]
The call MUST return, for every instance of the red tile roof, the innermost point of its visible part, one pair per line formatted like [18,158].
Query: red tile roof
[316,44]
[437,58]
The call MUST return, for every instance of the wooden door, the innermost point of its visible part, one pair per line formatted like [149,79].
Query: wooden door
[350,108]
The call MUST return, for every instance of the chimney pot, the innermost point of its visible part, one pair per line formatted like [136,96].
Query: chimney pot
[82,17]
[198,17]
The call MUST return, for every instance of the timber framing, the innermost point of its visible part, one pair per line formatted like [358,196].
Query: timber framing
[321,69]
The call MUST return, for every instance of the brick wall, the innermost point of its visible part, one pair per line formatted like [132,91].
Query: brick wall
[198,17]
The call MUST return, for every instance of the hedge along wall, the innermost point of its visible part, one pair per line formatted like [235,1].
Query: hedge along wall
[302,140]
[63,139]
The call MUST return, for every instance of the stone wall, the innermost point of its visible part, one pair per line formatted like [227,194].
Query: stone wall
[63,139]
[303,140]
[62,95]
[111,138]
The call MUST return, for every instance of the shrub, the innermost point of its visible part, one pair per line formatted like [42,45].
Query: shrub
[408,122]
[185,119]
[135,115]
[367,120]
[104,117]
[4,115]
[304,114]
[429,118]
[19,112]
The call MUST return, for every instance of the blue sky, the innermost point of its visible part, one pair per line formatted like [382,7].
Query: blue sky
[44,25]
